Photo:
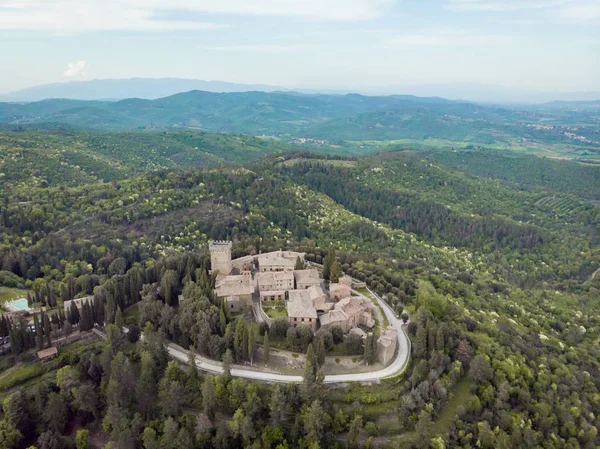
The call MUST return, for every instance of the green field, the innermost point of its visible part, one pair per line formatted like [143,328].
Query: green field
[10,294]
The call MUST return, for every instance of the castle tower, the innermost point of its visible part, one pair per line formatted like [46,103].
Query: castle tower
[220,257]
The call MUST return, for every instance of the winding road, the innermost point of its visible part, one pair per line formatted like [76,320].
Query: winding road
[397,366]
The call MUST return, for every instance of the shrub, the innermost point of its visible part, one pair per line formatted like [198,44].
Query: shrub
[21,375]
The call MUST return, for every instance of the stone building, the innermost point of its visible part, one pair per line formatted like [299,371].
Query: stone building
[235,288]
[307,278]
[275,262]
[272,286]
[220,257]
[341,289]
[348,313]
[386,345]
[318,298]
[301,310]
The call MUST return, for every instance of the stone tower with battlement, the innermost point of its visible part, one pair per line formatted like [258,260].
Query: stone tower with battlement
[220,257]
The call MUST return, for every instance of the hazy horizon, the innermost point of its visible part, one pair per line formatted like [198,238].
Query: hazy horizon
[357,45]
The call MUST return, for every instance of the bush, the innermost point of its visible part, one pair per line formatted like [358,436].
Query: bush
[8,279]
[21,375]
[371,428]
[354,344]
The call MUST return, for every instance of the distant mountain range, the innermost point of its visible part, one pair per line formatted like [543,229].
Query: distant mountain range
[119,89]
[154,88]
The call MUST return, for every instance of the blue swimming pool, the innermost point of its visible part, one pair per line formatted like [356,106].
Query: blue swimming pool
[19,304]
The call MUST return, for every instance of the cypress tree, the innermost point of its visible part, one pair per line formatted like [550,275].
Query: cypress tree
[74,314]
[320,353]
[119,319]
[47,329]
[39,334]
[266,347]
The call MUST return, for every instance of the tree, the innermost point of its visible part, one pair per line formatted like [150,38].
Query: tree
[251,343]
[354,431]
[464,353]
[480,370]
[266,347]
[146,386]
[354,344]
[39,333]
[81,439]
[423,430]
[277,406]
[169,284]
[9,435]
[87,400]
[119,319]
[150,439]
[55,412]
[87,321]
[420,343]
[299,264]
[208,397]
[320,353]
[51,439]
[227,361]
[338,334]
[335,271]
[313,419]
[47,329]
[73,314]
[370,353]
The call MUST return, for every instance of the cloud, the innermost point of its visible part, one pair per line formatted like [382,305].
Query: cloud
[580,12]
[443,38]
[75,69]
[148,15]
[260,48]
[502,6]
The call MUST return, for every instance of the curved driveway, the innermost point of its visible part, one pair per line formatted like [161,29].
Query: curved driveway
[397,366]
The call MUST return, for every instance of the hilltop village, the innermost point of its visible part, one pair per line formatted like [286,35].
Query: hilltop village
[278,278]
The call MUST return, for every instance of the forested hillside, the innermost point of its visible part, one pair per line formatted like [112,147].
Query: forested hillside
[70,157]
[496,278]
[334,118]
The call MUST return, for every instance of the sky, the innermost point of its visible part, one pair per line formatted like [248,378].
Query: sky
[543,45]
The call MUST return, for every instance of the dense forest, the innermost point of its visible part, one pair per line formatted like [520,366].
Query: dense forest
[494,268]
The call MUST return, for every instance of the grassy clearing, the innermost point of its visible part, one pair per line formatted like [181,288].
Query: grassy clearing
[20,374]
[460,397]
[276,313]
[9,294]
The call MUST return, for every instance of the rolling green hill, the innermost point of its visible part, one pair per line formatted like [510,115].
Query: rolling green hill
[69,157]
[336,118]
